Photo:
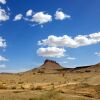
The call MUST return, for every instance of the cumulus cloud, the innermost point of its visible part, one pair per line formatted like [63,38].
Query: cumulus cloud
[3,1]
[18,17]
[51,52]
[67,41]
[29,12]
[58,41]
[60,15]
[97,54]
[4,16]
[2,43]
[41,18]
[3,58]
[95,36]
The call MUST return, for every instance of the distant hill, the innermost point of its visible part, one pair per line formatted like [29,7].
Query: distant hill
[50,65]
[91,68]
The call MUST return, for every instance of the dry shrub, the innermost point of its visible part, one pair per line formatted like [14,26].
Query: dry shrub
[22,87]
[20,82]
[88,95]
[84,85]
[32,88]
[17,91]
[34,73]
[40,71]
[38,88]
[13,87]
[2,86]
[61,91]
[31,99]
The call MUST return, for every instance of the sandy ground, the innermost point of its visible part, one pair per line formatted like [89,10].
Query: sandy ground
[30,86]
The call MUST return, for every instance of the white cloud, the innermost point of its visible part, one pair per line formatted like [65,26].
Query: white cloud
[97,54]
[29,12]
[2,43]
[51,52]
[2,66]
[58,41]
[59,15]
[3,58]
[64,62]
[18,17]
[4,16]
[95,36]
[41,18]
[3,1]
[67,41]
[71,58]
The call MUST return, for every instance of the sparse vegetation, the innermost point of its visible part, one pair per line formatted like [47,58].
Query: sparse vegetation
[2,86]
[97,89]
[38,88]
[84,85]
[20,82]
[45,84]
[87,71]
[40,71]
[50,95]
[13,87]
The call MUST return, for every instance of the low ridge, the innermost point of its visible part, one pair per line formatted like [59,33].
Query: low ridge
[91,68]
[50,66]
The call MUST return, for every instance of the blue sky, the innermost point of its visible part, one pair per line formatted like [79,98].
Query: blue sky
[31,31]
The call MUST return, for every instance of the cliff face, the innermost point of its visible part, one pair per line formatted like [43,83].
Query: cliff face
[50,64]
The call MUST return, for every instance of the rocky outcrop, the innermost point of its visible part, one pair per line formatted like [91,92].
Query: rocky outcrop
[50,64]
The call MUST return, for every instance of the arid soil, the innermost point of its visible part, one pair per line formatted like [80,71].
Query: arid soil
[46,83]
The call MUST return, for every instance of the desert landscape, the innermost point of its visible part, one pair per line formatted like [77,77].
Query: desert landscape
[49,49]
[51,81]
